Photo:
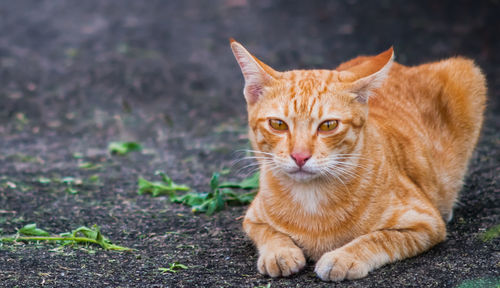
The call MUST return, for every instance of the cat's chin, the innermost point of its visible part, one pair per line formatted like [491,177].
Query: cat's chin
[301,176]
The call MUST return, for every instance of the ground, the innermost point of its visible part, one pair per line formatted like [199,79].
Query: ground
[75,75]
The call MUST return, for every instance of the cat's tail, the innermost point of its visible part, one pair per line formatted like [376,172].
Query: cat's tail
[460,105]
[462,101]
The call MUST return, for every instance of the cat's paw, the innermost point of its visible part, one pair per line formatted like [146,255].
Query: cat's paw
[337,266]
[281,261]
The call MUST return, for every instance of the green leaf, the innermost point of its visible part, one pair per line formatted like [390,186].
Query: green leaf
[10,185]
[80,235]
[491,233]
[87,232]
[31,230]
[164,177]
[94,178]
[77,155]
[249,183]
[190,199]
[203,207]
[214,182]
[43,180]
[209,202]
[157,188]
[173,268]
[68,180]
[239,199]
[211,207]
[94,233]
[89,166]
[177,265]
[165,270]
[246,198]
[219,200]
[123,148]
[71,190]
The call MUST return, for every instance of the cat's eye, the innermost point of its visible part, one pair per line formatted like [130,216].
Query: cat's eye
[278,124]
[328,125]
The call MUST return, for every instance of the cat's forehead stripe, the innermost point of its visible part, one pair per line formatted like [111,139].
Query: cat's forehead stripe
[312,105]
[286,110]
[306,93]
[291,91]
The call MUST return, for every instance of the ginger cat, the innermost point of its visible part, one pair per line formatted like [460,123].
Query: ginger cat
[361,165]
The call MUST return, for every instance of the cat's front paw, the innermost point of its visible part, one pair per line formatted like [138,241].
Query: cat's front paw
[281,261]
[337,266]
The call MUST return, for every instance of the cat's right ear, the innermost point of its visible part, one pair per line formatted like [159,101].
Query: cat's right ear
[365,74]
[257,74]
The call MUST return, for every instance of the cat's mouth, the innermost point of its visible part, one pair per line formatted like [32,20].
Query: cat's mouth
[298,171]
[301,175]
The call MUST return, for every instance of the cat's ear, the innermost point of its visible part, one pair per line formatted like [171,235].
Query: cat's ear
[257,74]
[368,75]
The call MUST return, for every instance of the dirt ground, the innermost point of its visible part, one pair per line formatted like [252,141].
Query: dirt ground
[76,75]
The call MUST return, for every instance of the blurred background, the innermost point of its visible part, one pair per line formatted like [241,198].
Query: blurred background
[93,59]
[105,69]
[75,75]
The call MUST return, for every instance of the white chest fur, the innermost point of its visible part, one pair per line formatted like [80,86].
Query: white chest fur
[308,197]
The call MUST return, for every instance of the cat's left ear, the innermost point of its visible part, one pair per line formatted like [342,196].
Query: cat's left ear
[368,75]
[257,74]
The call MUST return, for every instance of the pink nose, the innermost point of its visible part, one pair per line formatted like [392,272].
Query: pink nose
[301,157]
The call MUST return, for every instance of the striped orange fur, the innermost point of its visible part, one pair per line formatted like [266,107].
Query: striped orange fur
[376,183]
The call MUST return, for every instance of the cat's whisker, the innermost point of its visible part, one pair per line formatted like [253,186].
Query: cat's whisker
[254,165]
[346,163]
[259,158]
[351,165]
[255,161]
[251,170]
[250,165]
[246,166]
[250,158]
[248,161]
[346,158]
[258,152]
[336,177]
[350,156]
[327,177]
[264,161]
[347,154]
[344,176]
[344,171]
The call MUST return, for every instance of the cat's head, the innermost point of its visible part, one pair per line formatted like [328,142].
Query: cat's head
[308,124]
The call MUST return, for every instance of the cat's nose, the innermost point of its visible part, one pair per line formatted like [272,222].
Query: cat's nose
[301,157]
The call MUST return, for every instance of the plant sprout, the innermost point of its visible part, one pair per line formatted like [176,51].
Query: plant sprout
[123,148]
[173,268]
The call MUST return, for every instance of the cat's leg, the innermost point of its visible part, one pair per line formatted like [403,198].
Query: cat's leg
[414,233]
[278,254]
